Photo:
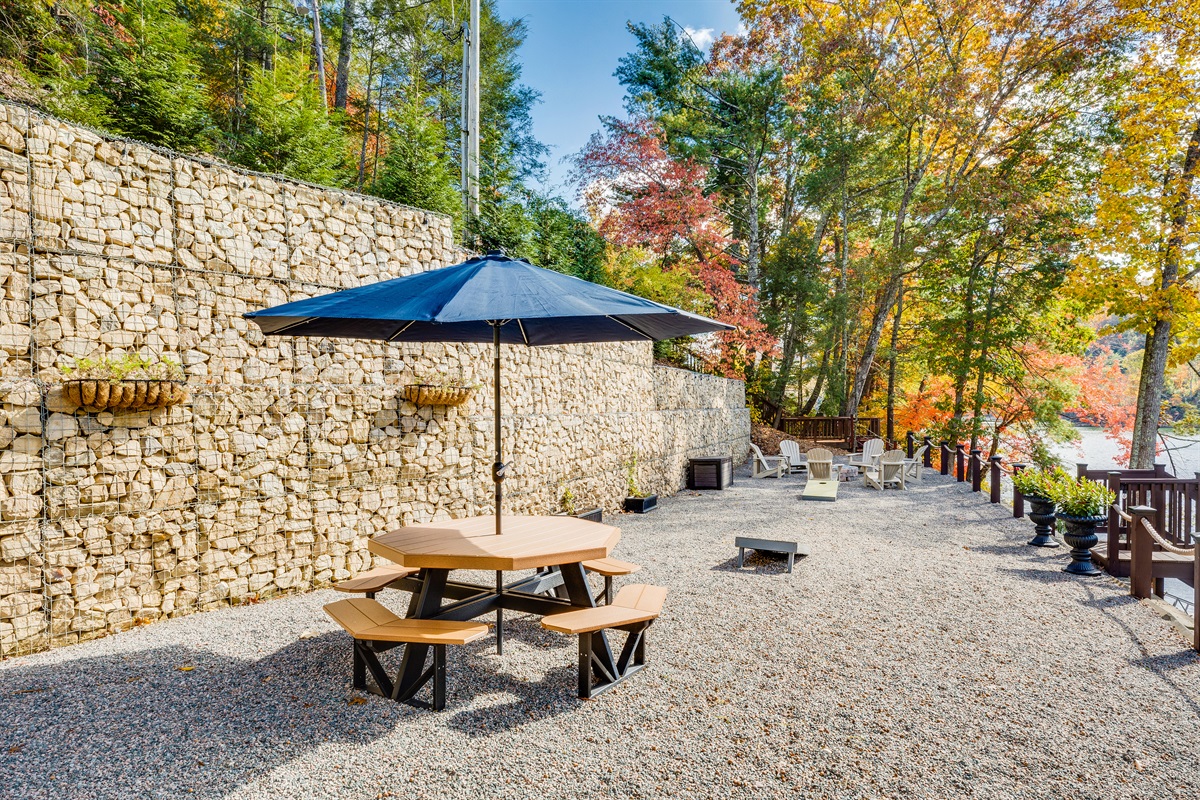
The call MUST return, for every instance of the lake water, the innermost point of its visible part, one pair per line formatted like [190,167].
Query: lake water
[1098,451]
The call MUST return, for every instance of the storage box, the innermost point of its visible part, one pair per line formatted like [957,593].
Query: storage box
[710,473]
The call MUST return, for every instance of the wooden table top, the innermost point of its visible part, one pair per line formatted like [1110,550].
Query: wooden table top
[471,543]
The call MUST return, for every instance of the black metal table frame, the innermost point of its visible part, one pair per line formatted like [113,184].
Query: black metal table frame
[431,586]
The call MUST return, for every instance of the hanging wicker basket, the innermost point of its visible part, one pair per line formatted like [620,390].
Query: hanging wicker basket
[128,395]
[429,394]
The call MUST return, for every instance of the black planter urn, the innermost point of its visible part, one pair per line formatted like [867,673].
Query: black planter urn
[641,505]
[1041,513]
[1081,536]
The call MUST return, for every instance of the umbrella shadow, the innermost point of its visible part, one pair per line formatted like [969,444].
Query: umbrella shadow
[177,720]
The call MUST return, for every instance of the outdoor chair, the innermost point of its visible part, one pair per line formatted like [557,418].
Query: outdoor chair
[375,580]
[913,466]
[871,450]
[766,466]
[820,464]
[609,568]
[791,451]
[888,471]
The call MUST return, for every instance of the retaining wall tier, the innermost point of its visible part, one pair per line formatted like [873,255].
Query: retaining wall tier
[288,453]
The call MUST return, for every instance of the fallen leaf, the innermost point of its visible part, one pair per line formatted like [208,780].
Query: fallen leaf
[356,701]
[188,668]
[16,748]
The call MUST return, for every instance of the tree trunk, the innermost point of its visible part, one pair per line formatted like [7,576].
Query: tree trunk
[754,257]
[1158,341]
[891,378]
[341,85]
[816,392]
[984,353]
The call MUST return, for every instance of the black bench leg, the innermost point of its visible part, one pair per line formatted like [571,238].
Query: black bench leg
[439,677]
[585,665]
[607,590]
[741,556]
[791,560]
[360,669]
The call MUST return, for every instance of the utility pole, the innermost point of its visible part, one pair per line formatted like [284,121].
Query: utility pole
[319,46]
[470,126]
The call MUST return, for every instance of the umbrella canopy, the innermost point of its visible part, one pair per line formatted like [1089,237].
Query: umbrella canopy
[491,298]
[467,302]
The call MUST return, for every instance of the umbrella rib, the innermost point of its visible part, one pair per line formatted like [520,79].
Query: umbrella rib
[521,326]
[632,328]
[295,324]
[407,325]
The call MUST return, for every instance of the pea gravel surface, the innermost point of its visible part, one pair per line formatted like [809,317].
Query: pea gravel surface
[921,651]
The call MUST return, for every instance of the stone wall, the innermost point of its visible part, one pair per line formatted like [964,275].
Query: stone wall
[289,453]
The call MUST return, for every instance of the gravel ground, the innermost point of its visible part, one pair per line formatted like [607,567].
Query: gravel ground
[921,651]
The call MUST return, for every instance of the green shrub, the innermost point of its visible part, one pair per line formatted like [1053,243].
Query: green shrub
[132,366]
[1082,498]
[1040,482]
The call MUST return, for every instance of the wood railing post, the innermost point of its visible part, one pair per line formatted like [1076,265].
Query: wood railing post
[1160,471]
[976,470]
[1113,553]
[1080,470]
[1018,498]
[944,461]
[994,479]
[1196,605]
[1141,553]
[928,459]
[910,444]
[960,465]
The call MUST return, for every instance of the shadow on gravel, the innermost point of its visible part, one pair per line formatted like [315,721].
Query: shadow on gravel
[177,721]
[759,564]
[553,695]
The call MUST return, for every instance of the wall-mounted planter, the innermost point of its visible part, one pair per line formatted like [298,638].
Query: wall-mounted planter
[641,505]
[126,395]
[429,394]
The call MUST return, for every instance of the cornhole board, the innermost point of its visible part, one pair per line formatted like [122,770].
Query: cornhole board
[793,549]
[820,490]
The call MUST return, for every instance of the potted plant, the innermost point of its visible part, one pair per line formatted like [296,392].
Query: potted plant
[131,382]
[1082,505]
[566,499]
[1037,486]
[636,500]
[442,391]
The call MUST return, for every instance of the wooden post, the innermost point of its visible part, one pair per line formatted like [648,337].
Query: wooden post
[1018,498]
[1159,501]
[960,465]
[976,470]
[928,445]
[994,479]
[910,442]
[1141,553]
[944,458]
[1080,470]
[1196,606]
[1160,471]
[1113,552]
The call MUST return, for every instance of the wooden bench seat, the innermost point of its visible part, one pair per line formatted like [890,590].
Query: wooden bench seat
[610,568]
[633,610]
[374,580]
[375,629]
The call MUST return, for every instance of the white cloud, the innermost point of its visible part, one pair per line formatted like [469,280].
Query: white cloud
[703,37]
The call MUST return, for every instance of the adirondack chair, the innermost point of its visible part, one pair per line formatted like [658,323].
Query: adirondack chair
[913,466]
[820,464]
[791,450]
[766,466]
[889,470]
[871,450]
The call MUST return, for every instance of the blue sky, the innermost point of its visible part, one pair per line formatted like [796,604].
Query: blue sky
[572,51]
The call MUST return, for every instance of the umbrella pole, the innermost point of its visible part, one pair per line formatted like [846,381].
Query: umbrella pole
[497,477]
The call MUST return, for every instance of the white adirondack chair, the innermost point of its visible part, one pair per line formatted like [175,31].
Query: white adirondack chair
[820,464]
[889,470]
[766,466]
[871,450]
[791,450]
[913,466]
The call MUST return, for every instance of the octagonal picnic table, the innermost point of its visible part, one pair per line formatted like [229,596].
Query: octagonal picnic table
[556,546]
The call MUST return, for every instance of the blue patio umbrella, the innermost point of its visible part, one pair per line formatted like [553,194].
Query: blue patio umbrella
[490,298]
